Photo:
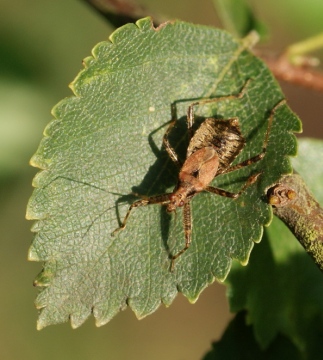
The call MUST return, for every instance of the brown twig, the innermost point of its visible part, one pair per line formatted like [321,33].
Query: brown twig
[296,207]
[121,12]
[303,75]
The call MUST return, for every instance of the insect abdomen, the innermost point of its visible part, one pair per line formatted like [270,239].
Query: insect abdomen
[224,135]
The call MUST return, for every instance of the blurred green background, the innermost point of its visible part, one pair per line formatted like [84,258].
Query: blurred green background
[42,45]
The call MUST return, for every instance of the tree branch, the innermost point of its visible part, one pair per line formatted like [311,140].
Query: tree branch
[303,74]
[121,12]
[296,207]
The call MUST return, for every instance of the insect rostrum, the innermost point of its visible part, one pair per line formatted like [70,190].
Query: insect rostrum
[211,151]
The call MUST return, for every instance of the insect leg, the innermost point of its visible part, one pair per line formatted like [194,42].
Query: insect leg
[158,199]
[170,150]
[251,180]
[190,110]
[260,156]
[187,223]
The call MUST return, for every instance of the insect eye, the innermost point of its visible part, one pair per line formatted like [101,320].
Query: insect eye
[181,203]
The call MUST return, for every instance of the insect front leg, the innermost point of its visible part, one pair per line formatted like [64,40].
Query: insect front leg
[159,199]
[168,147]
[190,110]
[187,224]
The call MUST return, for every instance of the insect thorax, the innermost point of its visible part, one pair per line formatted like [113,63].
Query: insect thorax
[224,135]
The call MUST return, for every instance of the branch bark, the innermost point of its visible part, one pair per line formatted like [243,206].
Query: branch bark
[121,12]
[303,75]
[297,208]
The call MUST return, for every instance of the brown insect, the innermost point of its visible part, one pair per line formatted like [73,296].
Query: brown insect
[211,150]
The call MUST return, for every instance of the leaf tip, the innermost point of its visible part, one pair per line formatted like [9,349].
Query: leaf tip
[41,322]
[33,255]
[77,321]
[145,23]
[101,322]
[40,325]
[43,279]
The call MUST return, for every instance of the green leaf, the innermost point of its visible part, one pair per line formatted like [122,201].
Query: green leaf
[308,164]
[239,18]
[282,289]
[245,346]
[106,142]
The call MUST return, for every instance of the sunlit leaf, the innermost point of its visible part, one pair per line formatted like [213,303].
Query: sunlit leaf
[106,141]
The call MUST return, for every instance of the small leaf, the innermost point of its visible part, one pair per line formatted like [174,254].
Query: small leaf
[245,346]
[282,289]
[239,18]
[106,142]
[308,164]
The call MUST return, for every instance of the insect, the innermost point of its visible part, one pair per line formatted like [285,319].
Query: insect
[211,151]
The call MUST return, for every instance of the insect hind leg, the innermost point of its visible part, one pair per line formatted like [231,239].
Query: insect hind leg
[251,180]
[187,223]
